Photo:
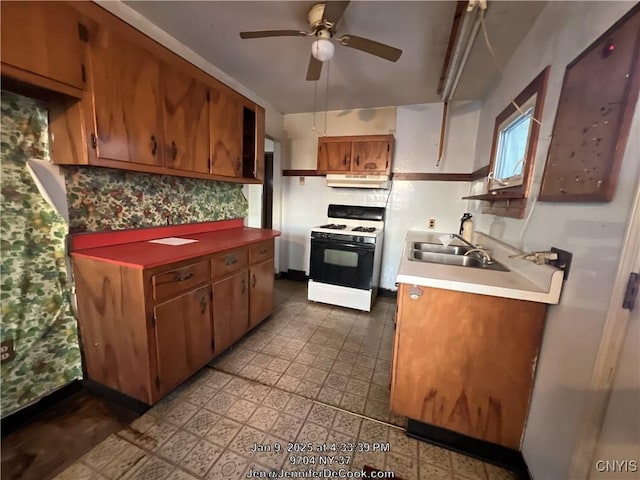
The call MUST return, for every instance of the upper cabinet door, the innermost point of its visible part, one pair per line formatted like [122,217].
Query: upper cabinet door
[43,38]
[371,156]
[258,172]
[334,156]
[186,121]
[226,133]
[126,91]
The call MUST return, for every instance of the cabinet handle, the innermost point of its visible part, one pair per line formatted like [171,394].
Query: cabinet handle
[203,303]
[230,259]
[357,159]
[154,145]
[182,276]
[253,280]
[344,160]
[174,151]
[370,166]
[263,251]
[415,293]
[244,286]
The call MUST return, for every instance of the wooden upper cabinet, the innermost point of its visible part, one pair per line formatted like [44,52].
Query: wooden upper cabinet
[371,156]
[226,133]
[42,42]
[357,154]
[258,172]
[186,120]
[125,81]
[334,156]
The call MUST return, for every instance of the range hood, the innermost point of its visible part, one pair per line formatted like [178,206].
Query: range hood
[357,181]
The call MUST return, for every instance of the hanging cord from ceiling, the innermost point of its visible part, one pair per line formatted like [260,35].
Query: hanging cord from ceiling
[443,130]
[326,100]
[499,68]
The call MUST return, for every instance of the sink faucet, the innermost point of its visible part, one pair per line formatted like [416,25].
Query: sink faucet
[485,258]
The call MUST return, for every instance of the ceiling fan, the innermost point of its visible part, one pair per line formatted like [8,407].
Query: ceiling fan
[323,19]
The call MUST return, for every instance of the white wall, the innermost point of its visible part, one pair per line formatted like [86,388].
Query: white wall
[410,203]
[592,231]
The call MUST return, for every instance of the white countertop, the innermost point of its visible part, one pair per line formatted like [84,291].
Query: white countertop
[524,281]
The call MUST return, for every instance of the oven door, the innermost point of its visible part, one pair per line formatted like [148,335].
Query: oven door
[342,263]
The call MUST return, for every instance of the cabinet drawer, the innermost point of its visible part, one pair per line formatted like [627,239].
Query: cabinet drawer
[229,262]
[174,281]
[261,251]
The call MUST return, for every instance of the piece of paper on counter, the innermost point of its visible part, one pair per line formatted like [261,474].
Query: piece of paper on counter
[173,241]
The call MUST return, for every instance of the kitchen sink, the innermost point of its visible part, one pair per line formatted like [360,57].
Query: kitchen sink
[435,248]
[454,259]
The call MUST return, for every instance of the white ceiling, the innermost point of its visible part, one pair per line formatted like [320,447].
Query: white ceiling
[275,68]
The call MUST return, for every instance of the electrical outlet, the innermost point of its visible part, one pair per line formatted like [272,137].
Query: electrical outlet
[6,351]
[301,181]
[431,223]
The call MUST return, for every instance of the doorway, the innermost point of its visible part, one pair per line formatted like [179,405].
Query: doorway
[267,191]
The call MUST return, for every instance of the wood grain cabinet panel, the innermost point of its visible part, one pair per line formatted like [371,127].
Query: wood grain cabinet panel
[466,362]
[261,296]
[364,154]
[125,83]
[371,156]
[230,309]
[186,121]
[183,337]
[334,157]
[226,133]
[43,39]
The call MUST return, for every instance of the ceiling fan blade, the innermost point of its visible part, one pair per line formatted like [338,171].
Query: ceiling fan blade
[370,46]
[315,67]
[273,33]
[333,11]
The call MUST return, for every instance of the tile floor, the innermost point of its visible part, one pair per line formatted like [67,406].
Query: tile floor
[305,360]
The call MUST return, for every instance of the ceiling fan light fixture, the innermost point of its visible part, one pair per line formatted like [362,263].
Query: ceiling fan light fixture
[323,49]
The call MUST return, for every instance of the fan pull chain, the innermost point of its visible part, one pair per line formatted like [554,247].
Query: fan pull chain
[326,98]
[315,92]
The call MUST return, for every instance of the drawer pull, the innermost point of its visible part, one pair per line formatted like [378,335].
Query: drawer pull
[244,286]
[182,276]
[263,251]
[230,259]
[253,280]
[415,293]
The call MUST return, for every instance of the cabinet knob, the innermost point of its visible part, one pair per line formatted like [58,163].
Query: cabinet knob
[253,280]
[203,303]
[344,160]
[184,275]
[357,159]
[230,259]
[415,293]
[154,145]
[244,286]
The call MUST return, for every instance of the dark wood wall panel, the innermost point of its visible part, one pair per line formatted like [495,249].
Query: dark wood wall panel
[591,128]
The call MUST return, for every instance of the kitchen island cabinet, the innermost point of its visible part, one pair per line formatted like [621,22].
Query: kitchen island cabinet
[147,323]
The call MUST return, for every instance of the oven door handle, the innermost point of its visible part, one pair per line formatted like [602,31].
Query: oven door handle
[360,246]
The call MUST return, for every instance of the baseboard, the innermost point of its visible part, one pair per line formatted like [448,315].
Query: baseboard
[26,415]
[113,396]
[486,451]
[385,292]
[297,275]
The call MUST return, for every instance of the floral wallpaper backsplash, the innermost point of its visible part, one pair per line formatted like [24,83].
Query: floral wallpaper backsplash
[34,295]
[106,199]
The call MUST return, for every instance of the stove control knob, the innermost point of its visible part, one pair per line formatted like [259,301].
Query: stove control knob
[361,239]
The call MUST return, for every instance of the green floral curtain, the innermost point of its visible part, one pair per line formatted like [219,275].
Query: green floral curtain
[34,293]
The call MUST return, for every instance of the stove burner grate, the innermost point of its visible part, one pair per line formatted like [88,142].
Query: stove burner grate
[334,226]
[364,229]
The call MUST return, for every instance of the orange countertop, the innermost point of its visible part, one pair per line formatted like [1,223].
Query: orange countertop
[142,254]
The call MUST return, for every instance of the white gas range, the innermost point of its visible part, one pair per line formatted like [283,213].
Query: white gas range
[346,255]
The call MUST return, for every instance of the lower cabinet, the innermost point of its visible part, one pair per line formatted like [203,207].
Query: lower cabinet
[144,332]
[231,309]
[261,301]
[183,337]
[465,362]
